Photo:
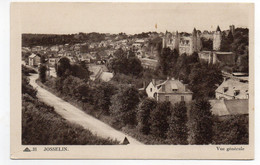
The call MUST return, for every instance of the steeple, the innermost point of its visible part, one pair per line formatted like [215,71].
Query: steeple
[218,29]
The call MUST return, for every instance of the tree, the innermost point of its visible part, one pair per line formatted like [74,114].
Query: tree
[124,104]
[165,59]
[201,123]
[119,63]
[134,66]
[232,130]
[26,87]
[159,119]
[143,114]
[43,59]
[84,49]
[125,63]
[83,92]
[102,96]
[226,42]
[62,67]
[80,72]
[178,131]
[42,73]
[203,80]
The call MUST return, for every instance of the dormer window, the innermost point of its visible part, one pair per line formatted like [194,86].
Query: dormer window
[236,92]
[225,89]
[151,89]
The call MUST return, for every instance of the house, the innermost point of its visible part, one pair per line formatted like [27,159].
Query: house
[34,60]
[149,63]
[98,72]
[54,48]
[52,61]
[169,90]
[106,76]
[85,57]
[232,89]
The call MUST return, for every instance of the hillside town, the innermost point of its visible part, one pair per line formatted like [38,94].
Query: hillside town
[155,76]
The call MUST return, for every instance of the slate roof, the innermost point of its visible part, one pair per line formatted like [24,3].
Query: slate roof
[171,84]
[232,86]
[229,107]
[218,29]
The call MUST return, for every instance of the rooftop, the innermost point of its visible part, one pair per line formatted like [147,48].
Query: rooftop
[229,107]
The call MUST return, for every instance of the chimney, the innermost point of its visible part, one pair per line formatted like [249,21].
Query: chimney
[185,87]
[153,81]
[144,84]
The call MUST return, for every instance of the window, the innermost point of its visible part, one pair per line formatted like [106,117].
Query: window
[167,98]
[236,92]
[182,98]
[155,95]
[151,89]
[174,90]
[225,89]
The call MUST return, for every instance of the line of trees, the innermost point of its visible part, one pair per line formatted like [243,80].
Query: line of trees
[41,125]
[29,40]
[173,124]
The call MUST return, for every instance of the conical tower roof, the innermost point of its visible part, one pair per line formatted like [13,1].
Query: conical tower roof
[194,31]
[218,29]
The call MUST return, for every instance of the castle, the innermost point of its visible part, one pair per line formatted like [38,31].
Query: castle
[189,43]
[184,43]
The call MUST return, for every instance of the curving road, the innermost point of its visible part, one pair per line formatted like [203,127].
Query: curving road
[75,115]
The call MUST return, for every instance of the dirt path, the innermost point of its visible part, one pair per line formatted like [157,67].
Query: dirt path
[75,115]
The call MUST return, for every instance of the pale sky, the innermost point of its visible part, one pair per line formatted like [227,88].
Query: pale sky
[130,18]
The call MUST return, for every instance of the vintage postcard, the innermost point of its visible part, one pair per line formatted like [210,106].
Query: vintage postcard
[132,80]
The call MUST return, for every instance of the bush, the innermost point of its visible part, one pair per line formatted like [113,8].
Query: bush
[27,88]
[26,70]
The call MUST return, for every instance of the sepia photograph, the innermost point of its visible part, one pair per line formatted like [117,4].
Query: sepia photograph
[135,75]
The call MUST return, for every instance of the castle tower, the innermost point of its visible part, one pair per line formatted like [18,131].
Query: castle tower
[217,39]
[194,41]
[164,40]
[232,29]
[176,42]
[199,44]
